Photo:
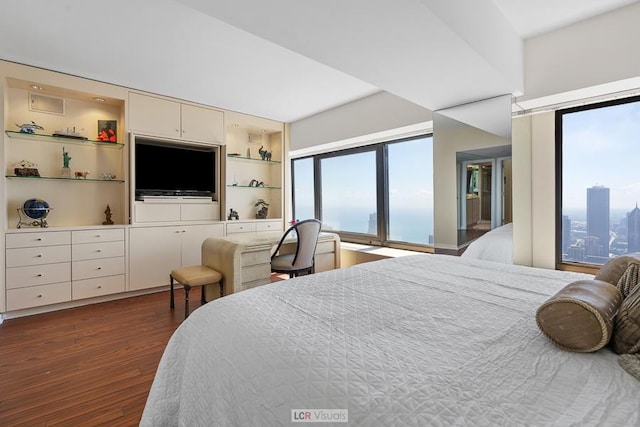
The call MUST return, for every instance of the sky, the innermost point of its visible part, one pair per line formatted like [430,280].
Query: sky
[602,147]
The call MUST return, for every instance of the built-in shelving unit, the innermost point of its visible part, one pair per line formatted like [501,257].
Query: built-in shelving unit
[62,139]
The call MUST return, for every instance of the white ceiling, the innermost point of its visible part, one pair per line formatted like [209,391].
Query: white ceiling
[287,59]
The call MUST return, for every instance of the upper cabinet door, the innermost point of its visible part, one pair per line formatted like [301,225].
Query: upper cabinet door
[154,116]
[202,124]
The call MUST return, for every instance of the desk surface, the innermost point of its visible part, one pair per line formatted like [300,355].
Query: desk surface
[268,238]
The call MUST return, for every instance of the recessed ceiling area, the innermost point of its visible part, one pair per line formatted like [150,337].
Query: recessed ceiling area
[288,60]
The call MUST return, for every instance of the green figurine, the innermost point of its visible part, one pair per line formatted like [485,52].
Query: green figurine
[65,158]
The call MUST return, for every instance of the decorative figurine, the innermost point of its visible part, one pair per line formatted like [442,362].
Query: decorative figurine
[256,183]
[29,127]
[248,153]
[81,174]
[107,214]
[264,154]
[65,158]
[233,215]
[264,209]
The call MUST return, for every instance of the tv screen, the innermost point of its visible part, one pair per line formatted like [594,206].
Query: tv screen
[173,170]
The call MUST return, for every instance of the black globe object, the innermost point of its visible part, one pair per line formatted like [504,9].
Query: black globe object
[35,208]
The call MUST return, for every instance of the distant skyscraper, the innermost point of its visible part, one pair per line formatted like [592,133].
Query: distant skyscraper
[598,220]
[633,230]
[566,234]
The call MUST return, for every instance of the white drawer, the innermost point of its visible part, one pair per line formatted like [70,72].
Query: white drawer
[256,257]
[256,272]
[36,296]
[97,268]
[269,226]
[20,277]
[99,235]
[241,227]
[39,255]
[325,247]
[27,240]
[97,250]
[253,284]
[96,287]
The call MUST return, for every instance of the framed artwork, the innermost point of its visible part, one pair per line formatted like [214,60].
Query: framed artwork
[108,130]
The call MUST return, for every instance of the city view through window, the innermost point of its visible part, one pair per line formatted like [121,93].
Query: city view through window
[600,182]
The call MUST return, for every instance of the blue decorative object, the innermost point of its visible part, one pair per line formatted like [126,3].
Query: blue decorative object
[29,127]
[36,210]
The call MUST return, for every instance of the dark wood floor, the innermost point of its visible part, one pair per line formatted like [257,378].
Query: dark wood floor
[86,366]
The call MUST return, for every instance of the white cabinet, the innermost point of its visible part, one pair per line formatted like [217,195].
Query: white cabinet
[97,262]
[155,251]
[50,267]
[38,269]
[156,116]
[175,210]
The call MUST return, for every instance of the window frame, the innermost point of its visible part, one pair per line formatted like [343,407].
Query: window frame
[382,190]
[582,267]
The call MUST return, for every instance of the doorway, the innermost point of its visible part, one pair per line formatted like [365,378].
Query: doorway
[484,192]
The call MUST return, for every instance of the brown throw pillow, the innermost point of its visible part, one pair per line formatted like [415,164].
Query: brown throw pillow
[580,317]
[621,271]
[626,334]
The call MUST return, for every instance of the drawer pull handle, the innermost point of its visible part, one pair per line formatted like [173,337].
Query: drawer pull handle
[39,256]
[98,236]
[99,250]
[39,275]
[99,286]
[39,239]
[99,268]
[39,295]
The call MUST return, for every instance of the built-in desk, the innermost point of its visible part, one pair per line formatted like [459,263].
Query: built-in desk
[244,259]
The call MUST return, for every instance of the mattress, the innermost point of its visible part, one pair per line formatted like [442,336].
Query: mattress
[413,341]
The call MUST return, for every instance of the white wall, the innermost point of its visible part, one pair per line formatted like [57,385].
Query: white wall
[593,52]
[376,113]
[446,142]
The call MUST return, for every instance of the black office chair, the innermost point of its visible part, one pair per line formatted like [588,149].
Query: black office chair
[302,260]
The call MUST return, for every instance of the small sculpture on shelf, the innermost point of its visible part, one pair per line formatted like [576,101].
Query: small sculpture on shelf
[264,209]
[107,214]
[66,171]
[264,154]
[81,174]
[29,127]
[256,183]
[233,215]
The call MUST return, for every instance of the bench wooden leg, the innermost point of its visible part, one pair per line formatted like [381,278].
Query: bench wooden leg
[172,303]
[187,288]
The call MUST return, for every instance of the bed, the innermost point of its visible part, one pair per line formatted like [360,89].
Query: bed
[419,340]
[495,245]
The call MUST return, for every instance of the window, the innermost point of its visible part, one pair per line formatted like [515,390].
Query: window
[377,194]
[598,147]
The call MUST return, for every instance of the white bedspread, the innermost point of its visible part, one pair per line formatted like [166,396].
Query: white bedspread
[495,245]
[425,340]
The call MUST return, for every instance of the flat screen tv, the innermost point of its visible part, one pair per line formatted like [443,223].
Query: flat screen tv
[171,170]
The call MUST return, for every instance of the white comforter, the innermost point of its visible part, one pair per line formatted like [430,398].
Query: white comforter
[495,245]
[425,340]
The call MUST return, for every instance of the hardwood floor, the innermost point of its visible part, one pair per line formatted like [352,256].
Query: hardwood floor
[85,366]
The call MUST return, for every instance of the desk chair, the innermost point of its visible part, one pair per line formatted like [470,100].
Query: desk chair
[302,260]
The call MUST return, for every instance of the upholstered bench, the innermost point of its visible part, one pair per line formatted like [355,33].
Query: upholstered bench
[192,276]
